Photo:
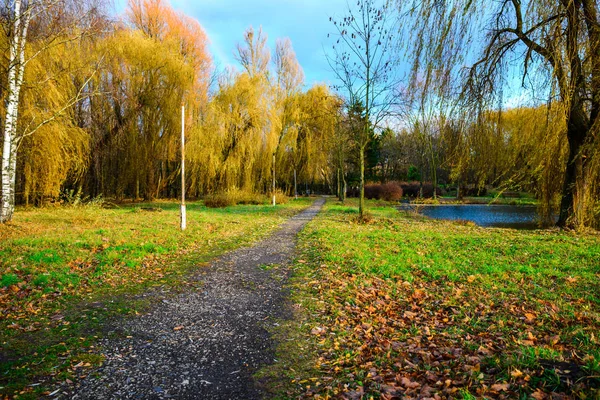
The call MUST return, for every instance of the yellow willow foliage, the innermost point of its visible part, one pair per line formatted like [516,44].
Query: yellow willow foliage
[53,148]
[55,153]
[158,20]
[236,140]
[149,79]
[318,121]
[587,193]
[531,151]
[286,111]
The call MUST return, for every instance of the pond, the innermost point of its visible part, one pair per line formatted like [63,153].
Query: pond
[501,216]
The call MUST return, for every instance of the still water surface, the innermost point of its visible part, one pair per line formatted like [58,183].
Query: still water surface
[501,216]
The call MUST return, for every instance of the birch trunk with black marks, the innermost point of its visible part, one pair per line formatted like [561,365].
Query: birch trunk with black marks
[19,24]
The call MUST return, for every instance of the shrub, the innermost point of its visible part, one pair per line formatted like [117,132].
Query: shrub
[219,200]
[428,190]
[373,191]
[411,189]
[246,197]
[280,197]
[233,197]
[473,191]
[391,191]
[74,198]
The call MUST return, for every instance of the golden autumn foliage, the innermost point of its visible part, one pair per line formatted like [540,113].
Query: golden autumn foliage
[121,138]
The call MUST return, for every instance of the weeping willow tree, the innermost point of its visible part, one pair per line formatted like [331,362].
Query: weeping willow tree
[157,62]
[232,149]
[106,120]
[318,124]
[257,115]
[57,150]
[290,77]
[148,80]
[523,149]
[234,141]
[557,46]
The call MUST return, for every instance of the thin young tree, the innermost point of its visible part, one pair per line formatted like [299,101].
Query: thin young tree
[364,61]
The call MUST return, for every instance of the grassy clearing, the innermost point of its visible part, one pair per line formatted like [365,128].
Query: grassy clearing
[64,272]
[406,306]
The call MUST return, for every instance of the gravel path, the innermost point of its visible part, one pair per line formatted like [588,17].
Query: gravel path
[206,343]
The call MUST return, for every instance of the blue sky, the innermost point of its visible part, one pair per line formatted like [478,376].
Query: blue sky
[305,22]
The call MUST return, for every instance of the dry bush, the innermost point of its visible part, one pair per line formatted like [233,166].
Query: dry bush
[233,197]
[373,191]
[391,191]
[411,189]
[280,197]
[246,197]
[219,200]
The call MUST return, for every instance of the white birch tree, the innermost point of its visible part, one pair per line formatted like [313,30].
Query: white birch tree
[18,17]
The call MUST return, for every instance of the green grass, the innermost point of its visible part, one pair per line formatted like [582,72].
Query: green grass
[65,272]
[525,296]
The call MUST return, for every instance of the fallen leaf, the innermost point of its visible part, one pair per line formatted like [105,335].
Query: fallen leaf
[500,387]
[538,395]
[407,383]
[529,317]
[516,373]
[178,328]
[317,330]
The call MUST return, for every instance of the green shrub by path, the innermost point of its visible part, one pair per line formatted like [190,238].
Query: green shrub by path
[65,271]
[407,306]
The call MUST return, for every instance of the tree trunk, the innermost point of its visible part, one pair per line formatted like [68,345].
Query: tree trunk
[361,200]
[9,158]
[434,178]
[295,185]
[16,67]
[576,133]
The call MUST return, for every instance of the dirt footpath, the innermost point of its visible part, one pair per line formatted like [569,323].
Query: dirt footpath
[206,343]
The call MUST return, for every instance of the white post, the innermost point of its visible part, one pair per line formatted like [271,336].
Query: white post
[183,214]
[295,185]
[273,178]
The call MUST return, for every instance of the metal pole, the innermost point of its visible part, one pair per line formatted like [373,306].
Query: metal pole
[295,185]
[273,178]
[183,211]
